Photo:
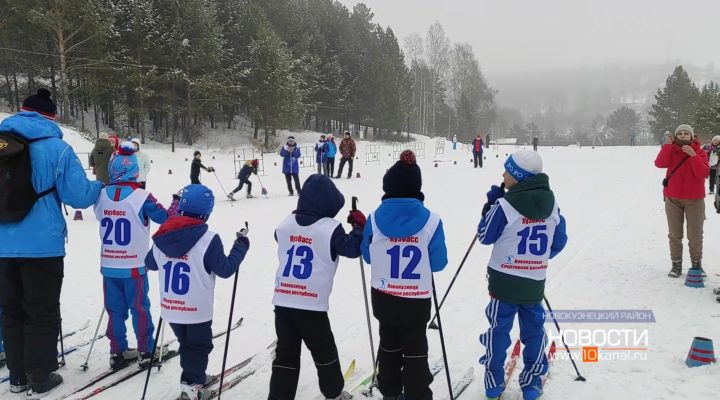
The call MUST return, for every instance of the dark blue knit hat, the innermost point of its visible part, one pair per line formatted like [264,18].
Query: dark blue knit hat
[403,179]
[41,103]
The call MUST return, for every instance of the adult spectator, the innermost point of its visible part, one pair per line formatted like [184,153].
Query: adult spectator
[196,166]
[477,150]
[684,193]
[535,142]
[100,157]
[290,154]
[320,154]
[347,151]
[32,247]
[454,141]
[143,163]
[115,141]
[331,151]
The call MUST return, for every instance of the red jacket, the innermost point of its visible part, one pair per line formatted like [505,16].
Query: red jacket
[688,182]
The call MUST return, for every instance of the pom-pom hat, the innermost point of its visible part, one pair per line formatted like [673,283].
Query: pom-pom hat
[404,179]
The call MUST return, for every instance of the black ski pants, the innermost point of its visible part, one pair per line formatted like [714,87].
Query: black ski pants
[293,327]
[330,167]
[296,178]
[30,299]
[403,362]
[344,160]
[245,181]
[477,157]
[712,179]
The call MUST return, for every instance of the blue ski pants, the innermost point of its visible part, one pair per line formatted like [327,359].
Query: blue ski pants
[121,295]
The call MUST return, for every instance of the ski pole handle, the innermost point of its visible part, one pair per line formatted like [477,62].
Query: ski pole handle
[354,203]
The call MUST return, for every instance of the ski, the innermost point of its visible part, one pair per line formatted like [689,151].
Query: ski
[510,365]
[227,385]
[82,328]
[464,382]
[350,371]
[170,354]
[435,369]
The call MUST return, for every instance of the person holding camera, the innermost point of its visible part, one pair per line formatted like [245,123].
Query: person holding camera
[684,193]
[291,154]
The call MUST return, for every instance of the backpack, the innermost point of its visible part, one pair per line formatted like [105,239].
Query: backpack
[17,193]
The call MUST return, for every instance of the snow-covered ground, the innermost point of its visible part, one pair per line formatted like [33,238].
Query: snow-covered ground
[616,258]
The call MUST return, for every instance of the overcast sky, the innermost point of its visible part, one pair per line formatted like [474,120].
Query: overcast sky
[542,34]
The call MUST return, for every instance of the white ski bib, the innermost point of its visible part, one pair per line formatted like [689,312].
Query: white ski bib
[304,278]
[187,291]
[523,249]
[125,239]
[401,266]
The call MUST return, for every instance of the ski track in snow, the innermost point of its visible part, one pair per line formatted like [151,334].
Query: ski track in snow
[616,258]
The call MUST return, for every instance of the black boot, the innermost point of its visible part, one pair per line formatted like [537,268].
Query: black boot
[41,388]
[698,265]
[122,360]
[676,270]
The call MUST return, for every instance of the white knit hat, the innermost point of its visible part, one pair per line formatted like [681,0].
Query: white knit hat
[684,128]
[524,164]
[716,138]
[103,135]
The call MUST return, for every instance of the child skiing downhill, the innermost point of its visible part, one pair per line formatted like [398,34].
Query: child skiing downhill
[189,256]
[527,230]
[250,167]
[310,243]
[124,211]
[405,244]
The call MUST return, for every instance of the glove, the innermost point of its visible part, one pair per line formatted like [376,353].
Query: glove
[211,169]
[357,219]
[242,237]
[495,193]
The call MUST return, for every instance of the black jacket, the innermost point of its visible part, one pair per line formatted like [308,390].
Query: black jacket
[195,170]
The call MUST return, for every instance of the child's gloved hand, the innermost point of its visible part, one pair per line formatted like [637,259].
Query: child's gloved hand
[357,219]
[495,193]
[241,236]
[211,169]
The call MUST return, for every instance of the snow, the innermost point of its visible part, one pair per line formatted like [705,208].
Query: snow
[616,258]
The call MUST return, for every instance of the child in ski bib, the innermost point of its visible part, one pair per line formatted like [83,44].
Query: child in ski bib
[405,243]
[188,257]
[124,211]
[310,243]
[526,230]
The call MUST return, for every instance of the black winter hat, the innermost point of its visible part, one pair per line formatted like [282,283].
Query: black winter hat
[41,103]
[403,179]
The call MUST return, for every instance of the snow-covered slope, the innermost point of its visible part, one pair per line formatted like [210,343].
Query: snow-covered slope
[616,258]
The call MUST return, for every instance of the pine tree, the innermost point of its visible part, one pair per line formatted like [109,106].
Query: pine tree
[706,120]
[675,104]
[623,123]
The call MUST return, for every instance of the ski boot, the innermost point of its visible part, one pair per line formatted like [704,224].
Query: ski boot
[676,270]
[122,360]
[532,393]
[494,393]
[249,196]
[193,392]
[230,196]
[343,396]
[698,265]
[38,389]
[18,385]
[2,358]
[144,357]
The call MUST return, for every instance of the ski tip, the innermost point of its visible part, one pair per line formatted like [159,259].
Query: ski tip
[350,370]
[239,322]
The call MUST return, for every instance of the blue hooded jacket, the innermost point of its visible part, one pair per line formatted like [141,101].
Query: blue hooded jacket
[54,163]
[402,217]
[320,152]
[331,148]
[319,199]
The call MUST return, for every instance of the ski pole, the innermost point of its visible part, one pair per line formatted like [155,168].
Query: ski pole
[152,358]
[263,191]
[552,314]
[452,282]
[221,185]
[442,339]
[227,335]
[62,345]
[92,344]
[162,341]
[367,306]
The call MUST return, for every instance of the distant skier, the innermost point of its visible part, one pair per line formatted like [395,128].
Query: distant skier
[686,167]
[454,142]
[195,168]
[185,248]
[125,210]
[526,228]
[310,244]
[290,154]
[405,243]
[535,143]
[250,167]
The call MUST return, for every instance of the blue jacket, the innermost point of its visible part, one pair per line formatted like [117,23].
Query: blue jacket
[331,149]
[177,236]
[43,231]
[319,199]
[320,152]
[402,217]
[290,160]
[151,210]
